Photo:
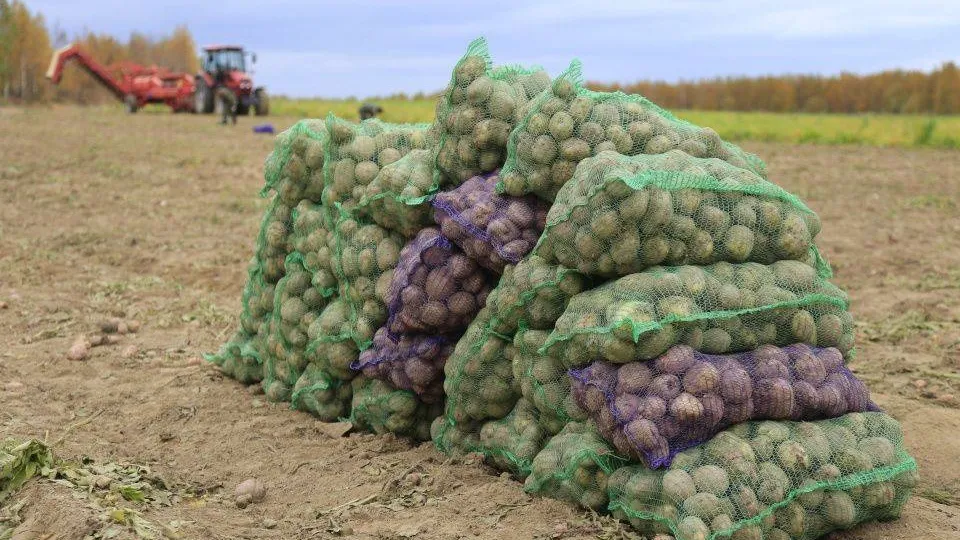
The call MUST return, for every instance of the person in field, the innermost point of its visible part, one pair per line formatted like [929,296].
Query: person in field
[226,98]
[370,110]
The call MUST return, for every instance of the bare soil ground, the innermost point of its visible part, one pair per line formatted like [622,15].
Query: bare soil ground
[153,217]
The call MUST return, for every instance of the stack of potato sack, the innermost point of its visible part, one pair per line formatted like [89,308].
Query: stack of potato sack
[608,302]
[672,349]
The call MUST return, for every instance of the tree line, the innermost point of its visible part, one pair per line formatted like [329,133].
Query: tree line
[27,45]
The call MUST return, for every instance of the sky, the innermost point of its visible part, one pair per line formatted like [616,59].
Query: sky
[311,48]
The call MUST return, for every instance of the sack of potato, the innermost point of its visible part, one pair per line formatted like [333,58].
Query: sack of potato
[312,239]
[569,123]
[511,443]
[409,362]
[399,196]
[574,466]
[479,109]
[532,294]
[295,167]
[773,480]
[544,382]
[242,357]
[495,230]
[364,258]
[355,154]
[619,215]
[274,241]
[379,407]
[321,395]
[435,288]
[478,383]
[716,309]
[650,411]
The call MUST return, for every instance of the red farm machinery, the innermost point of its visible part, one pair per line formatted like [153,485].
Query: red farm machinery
[137,85]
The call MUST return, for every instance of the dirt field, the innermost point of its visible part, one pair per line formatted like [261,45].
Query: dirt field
[153,217]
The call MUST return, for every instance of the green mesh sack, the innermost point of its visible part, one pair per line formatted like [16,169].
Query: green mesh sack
[773,481]
[621,214]
[479,384]
[312,239]
[298,302]
[479,109]
[379,407]
[283,365]
[569,123]
[399,196]
[273,241]
[533,294]
[544,382]
[321,395]
[240,358]
[365,256]
[511,443]
[355,153]
[295,167]
[716,309]
[574,466]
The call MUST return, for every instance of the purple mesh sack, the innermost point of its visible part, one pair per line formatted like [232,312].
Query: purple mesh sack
[495,230]
[652,410]
[435,288]
[410,362]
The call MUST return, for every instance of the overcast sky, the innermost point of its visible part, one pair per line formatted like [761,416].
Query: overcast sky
[362,48]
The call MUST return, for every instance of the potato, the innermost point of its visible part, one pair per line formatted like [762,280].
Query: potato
[479,109]
[358,155]
[495,230]
[380,407]
[667,208]
[580,122]
[533,294]
[718,309]
[544,382]
[511,443]
[409,362]
[320,394]
[435,288]
[727,488]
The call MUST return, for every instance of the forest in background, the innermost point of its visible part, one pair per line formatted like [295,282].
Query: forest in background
[26,44]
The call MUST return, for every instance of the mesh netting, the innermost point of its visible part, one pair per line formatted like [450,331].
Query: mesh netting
[435,287]
[409,362]
[715,309]
[240,358]
[321,395]
[619,215]
[510,444]
[379,407]
[478,110]
[544,382]
[570,123]
[478,383]
[355,154]
[298,302]
[295,167]
[652,410]
[399,196]
[773,480]
[273,241]
[492,229]
[532,294]
[574,466]
[312,239]
[365,256]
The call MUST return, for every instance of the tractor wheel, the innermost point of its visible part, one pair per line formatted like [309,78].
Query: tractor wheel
[243,109]
[130,104]
[202,97]
[262,108]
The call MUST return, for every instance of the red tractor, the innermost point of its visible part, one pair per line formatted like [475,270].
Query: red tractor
[226,65]
[137,85]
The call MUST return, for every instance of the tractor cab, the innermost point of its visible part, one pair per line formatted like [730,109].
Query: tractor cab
[226,65]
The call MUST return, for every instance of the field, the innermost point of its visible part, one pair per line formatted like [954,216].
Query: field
[905,131]
[153,217]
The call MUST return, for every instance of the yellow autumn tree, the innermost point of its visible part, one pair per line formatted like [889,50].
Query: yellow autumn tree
[24,53]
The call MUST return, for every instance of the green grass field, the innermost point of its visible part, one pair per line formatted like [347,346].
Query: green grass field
[909,131]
